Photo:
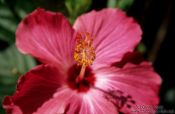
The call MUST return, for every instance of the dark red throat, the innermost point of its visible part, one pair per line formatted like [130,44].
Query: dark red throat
[81,85]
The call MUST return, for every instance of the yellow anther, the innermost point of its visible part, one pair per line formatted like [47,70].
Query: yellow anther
[84,52]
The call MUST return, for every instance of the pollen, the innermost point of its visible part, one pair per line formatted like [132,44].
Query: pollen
[84,52]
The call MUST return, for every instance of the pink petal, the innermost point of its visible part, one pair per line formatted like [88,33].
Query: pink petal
[114,33]
[64,101]
[47,36]
[139,84]
[95,103]
[70,102]
[34,88]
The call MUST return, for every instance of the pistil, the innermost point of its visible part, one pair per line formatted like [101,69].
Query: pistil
[82,71]
[84,52]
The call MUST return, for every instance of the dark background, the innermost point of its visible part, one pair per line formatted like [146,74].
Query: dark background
[157,19]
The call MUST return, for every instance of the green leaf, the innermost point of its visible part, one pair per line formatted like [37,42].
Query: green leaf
[170,96]
[13,64]
[112,3]
[76,7]
[8,24]
[1,1]
[141,48]
[23,7]
[122,4]
[7,35]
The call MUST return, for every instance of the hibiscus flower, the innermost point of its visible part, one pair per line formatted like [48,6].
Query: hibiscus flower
[77,75]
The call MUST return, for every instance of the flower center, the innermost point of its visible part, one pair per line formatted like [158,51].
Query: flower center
[84,52]
[80,85]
